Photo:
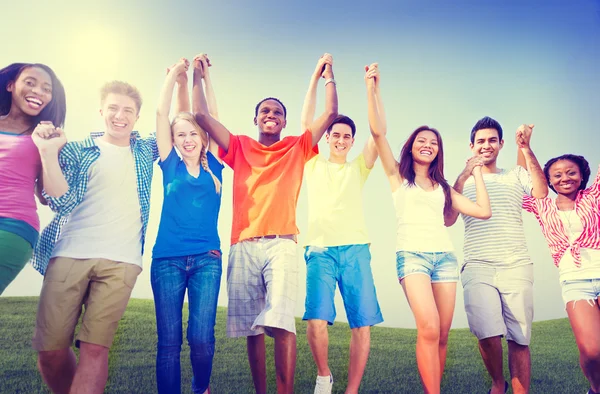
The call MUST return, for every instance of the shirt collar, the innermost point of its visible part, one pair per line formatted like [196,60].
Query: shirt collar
[90,143]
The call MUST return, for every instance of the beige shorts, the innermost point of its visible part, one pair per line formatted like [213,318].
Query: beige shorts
[102,286]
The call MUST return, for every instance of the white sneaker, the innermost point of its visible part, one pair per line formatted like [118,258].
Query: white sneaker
[324,384]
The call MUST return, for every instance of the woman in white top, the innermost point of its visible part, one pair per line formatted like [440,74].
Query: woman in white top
[421,196]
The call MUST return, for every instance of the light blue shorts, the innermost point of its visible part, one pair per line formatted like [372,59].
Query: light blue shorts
[439,266]
[580,289]
[350,266]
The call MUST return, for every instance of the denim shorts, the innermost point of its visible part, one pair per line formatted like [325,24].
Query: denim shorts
[439,266]
[350,267]
[580,289]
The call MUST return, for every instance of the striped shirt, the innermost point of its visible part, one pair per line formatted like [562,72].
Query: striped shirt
[75,161]
[499,241]
[587,208]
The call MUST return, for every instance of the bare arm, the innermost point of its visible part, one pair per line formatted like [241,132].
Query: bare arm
[182,101]
[452,214]
[211,100]
[49,141]
[318,127]
[217,132]
[481,208]
[379,131]
[370,151]
[538,179]
[164,139]
[310,100]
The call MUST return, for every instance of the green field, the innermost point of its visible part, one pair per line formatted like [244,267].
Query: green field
[391,368]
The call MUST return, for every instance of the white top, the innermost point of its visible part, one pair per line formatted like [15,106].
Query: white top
[500,240]
[108,222]
[420,216]
[590,258]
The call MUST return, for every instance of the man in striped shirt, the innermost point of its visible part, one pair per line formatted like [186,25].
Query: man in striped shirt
[497,273]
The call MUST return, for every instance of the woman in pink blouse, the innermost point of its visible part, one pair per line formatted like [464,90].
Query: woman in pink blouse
[29,94]
[571,225]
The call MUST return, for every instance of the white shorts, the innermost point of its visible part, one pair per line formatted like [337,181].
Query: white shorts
[262,282]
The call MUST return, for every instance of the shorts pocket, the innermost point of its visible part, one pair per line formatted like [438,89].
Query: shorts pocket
[58,269]
[130,274]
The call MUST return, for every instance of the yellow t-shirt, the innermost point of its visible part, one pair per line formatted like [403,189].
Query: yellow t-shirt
[335,206]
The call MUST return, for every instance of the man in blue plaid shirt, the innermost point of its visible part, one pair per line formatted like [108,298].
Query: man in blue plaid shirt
[91,253]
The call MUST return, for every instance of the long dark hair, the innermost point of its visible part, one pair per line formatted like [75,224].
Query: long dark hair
[580,161]
[436,168]
[56,109]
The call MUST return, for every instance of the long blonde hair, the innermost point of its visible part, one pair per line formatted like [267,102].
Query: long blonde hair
[188,116]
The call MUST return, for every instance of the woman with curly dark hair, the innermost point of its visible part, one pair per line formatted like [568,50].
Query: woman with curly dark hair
[571,225]
[29,94]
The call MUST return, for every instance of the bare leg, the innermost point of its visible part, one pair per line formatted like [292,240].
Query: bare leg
[57,368]
[445,300]
[318,339]
[285,360]
[491,353]
[92,371]
[585,322]
[360,345]
[419,293]
[257,359]
[519,363]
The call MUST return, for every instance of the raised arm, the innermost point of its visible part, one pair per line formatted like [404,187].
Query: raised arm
[370,152]
[211,99]
[452,214]
[378,126]
[182,99]
[164,139]
[538,179]
[217,132]
[318,127]
[481,208]
[310,100]
[49,141]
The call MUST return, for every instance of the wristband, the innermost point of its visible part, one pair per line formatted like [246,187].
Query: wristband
[330,80]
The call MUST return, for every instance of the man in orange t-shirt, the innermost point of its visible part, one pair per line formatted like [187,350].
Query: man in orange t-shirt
[262,272]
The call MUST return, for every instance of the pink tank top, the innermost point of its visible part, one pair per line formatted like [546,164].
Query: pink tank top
[20,166]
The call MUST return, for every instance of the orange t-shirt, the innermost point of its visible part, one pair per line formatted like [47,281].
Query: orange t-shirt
[266,184]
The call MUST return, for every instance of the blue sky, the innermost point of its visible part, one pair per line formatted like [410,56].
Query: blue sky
[443,64]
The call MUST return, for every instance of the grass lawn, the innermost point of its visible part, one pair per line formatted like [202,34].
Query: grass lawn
[391,369]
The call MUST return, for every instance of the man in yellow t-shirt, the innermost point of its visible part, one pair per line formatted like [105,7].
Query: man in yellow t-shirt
[337,249]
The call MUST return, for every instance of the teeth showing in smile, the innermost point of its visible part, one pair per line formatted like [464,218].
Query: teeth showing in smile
[189,148]
[34,101]
[425,153]
[120,125]
[270,123]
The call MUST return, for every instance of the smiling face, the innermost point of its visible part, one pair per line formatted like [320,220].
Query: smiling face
[565,177]
[120,114]
[425,147]
[340,140]
[487,145]
[31,92]
[187,139]
[270,118]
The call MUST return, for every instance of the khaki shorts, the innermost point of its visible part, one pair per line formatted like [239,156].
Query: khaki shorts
[102,286]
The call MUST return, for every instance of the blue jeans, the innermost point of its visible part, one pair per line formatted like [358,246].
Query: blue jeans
[170,276]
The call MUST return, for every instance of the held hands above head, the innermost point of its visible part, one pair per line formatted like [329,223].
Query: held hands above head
[179,70]
[523,136]
[201,65]
[324,60]
[47,138]
[372,76]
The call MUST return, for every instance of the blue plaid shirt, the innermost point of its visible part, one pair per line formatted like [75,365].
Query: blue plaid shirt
[75,160]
